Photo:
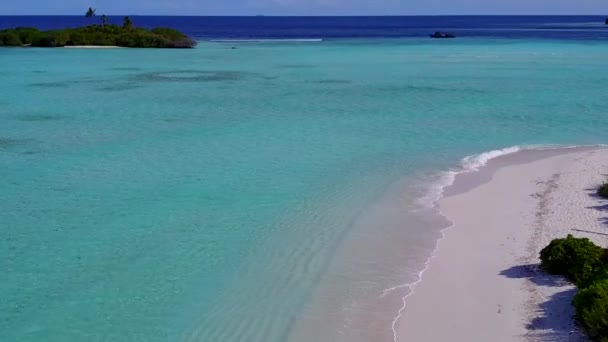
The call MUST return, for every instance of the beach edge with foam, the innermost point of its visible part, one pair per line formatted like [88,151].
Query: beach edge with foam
[476,174]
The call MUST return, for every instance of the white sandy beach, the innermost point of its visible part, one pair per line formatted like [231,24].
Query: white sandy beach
[93,47]
[483,283]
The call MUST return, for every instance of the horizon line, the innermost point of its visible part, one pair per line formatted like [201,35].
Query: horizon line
[311,15]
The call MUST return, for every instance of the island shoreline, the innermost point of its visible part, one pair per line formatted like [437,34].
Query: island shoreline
[94,47]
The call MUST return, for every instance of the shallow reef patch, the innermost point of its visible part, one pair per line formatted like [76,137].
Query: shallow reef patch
[190,76]
[429,89]
[63,84]
[119,87]
[126,69]
[295,66]
[27,153]
[39,117]
[331,81]
[7,143]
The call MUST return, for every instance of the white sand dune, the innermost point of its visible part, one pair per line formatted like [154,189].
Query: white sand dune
[484,284]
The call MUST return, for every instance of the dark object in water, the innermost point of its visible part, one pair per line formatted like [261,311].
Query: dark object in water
[606,21]
[442,35]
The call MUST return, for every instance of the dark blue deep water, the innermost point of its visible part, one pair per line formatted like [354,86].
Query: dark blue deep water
[513,27]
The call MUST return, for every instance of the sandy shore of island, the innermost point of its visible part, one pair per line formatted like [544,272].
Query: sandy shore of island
[93,47]
[483,284]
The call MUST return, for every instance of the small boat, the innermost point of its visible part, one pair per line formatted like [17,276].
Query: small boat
[442,35]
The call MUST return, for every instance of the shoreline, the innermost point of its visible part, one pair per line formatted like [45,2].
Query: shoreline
[94,47]
[496,213]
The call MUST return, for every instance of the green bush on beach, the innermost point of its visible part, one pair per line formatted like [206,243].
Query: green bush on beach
[586,264]
[603,190]
[592,310]
[600,274]
[98,35]
[575,258]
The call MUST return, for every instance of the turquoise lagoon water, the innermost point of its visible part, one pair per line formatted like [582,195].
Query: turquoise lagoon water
[266,193]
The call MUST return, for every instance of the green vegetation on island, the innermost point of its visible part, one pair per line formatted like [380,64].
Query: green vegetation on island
[586,265]
[105,34]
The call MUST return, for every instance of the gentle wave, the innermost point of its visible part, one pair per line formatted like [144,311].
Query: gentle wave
[467,164]
[588,23]
[473,163]
[295,40]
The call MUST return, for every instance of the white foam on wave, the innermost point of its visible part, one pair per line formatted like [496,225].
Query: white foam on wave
[286,40]
[413,285]
[586,24]
[468,164]
[471,163]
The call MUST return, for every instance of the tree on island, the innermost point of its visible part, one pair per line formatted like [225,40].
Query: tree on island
[127,24]
[104,21]
[90,13]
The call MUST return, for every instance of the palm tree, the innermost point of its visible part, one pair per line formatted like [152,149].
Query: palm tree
[104,20]
[127,24]
[90,13]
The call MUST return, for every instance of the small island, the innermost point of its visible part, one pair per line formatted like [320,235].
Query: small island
[98,35]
